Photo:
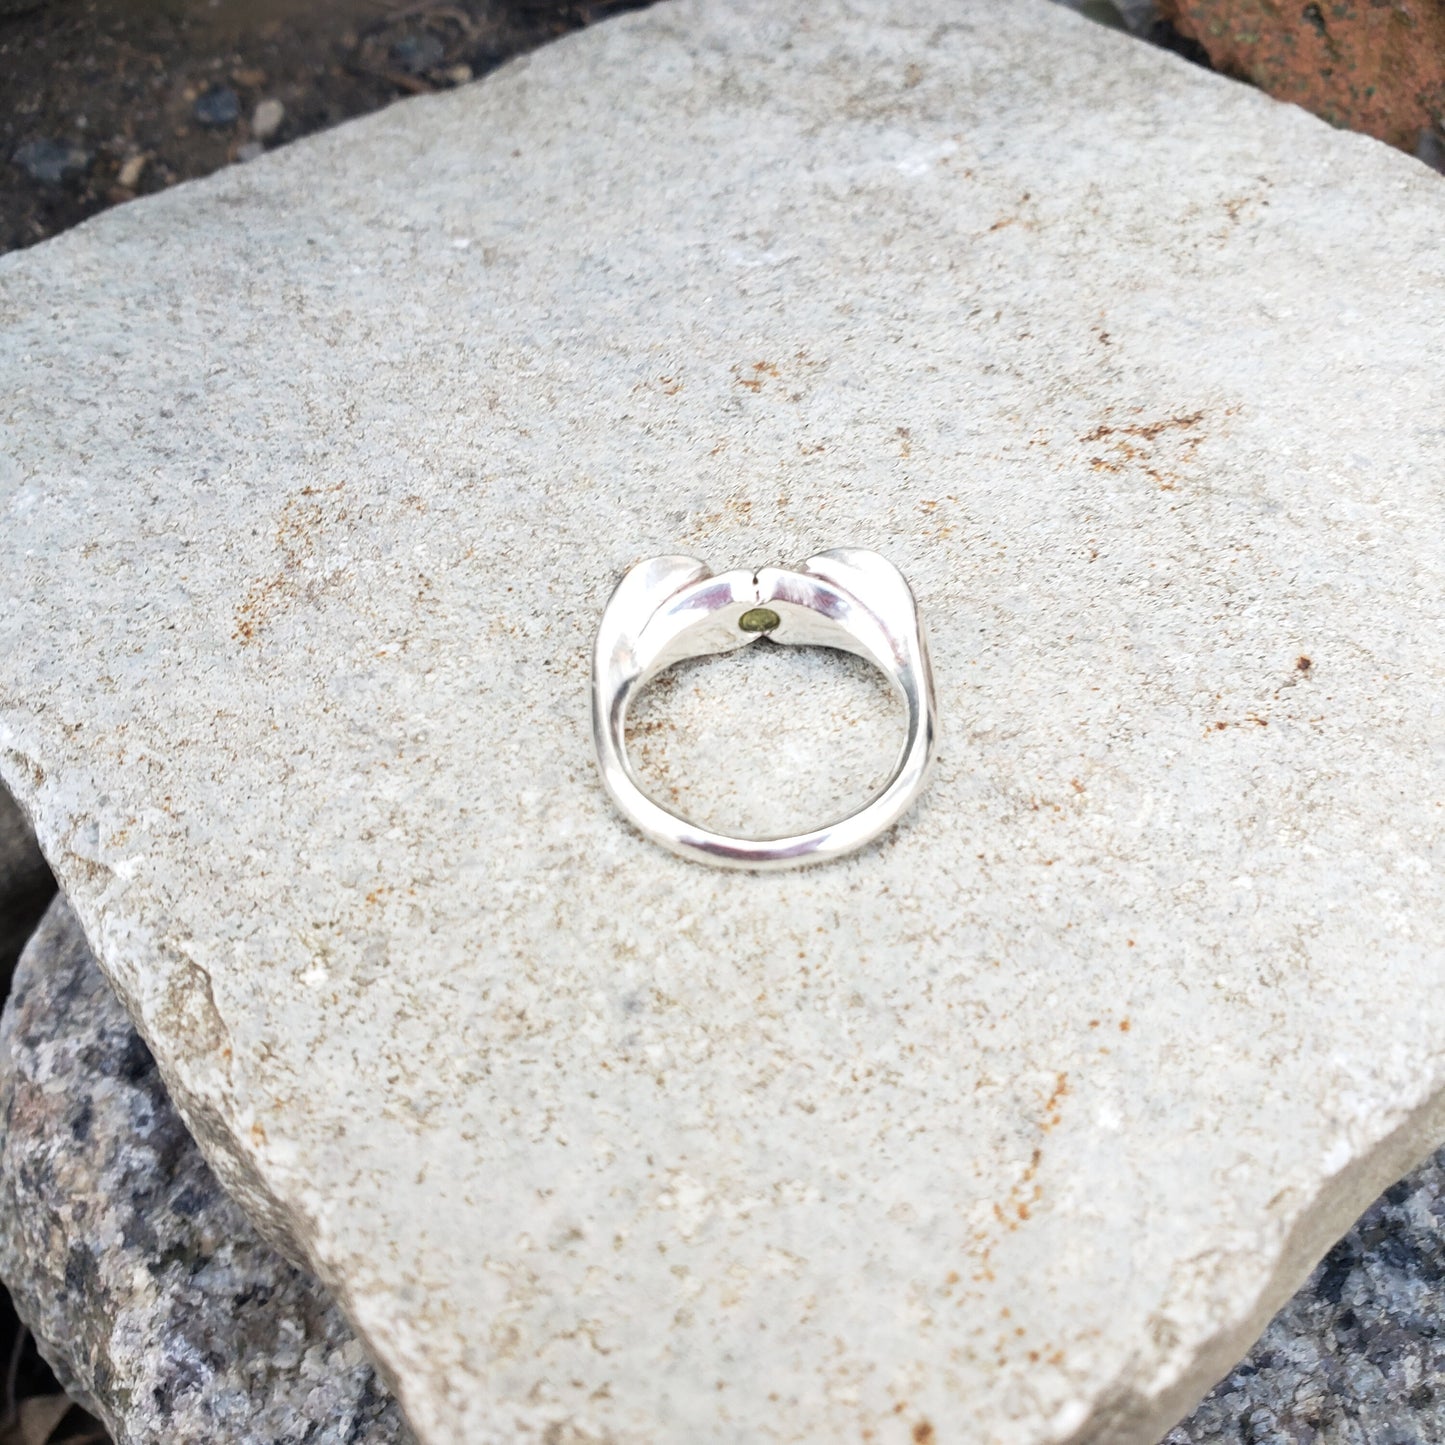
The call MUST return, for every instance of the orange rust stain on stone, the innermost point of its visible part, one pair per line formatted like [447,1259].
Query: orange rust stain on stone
[301,521]
[754,376]
[1026,1192]
[1249,720]
[1140,444]
[1148,431]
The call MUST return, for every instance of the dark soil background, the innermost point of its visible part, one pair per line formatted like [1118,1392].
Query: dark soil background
[106,100]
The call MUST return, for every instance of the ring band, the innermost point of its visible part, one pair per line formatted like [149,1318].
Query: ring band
[668,609]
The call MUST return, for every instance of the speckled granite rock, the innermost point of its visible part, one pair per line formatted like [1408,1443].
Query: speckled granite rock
[147,1288]
[1020,1125]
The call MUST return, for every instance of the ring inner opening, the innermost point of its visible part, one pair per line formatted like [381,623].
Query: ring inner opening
[768,740]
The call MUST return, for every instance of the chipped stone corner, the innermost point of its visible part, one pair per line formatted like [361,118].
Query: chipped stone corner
[1140,1411]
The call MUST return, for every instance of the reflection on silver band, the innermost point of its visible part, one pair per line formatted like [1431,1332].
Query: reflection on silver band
[667,609]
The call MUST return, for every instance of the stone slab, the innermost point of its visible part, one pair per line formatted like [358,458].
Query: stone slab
[1016,1127]
[149,1292]
[154,1297]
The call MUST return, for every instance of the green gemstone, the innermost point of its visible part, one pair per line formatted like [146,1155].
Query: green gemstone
[759,619]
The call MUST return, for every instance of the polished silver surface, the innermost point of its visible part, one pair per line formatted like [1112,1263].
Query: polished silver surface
[667,609]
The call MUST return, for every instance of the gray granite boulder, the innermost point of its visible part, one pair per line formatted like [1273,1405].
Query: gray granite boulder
[148,1290]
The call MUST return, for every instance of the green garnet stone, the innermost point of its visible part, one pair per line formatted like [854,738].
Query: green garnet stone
[759,619]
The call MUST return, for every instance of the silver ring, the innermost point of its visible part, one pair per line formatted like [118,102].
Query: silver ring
[667,609]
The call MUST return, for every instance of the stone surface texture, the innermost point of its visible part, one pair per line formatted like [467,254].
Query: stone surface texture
[147,1288]
[162,1308]
[1017,1126]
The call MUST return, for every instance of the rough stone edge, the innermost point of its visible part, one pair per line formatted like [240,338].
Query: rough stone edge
[205,1099]
[92,889]
[1129,1412]
[60,925]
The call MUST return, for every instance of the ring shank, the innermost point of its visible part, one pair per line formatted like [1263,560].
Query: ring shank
[671,609]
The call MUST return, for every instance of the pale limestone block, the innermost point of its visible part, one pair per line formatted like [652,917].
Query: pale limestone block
[1013,1128]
